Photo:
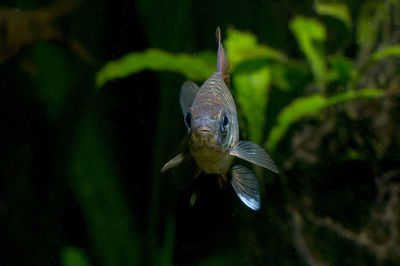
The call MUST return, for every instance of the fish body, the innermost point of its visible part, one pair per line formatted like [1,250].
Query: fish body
[211,140]
[213,129]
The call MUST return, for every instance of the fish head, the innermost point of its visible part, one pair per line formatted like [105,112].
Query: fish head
[208,127]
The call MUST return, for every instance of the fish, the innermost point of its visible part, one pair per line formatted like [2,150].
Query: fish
[210,116]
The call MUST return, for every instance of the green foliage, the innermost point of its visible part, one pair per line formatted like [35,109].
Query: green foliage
[251,91]
[256,66]
[72,256]
[61,163]
[336,10]
[369,23]
[101,196]
[341,70]
[310,35]
[243,46]
[290,76]
[55,145]
[309,106]
[390,51]
[193,67]
[52,78]
[385,52]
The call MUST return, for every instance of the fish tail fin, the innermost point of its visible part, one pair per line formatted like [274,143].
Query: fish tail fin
[222,60]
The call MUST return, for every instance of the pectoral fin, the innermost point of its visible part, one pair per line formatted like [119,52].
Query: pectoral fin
[173,162]
[186,173]
[253,153]
[188,92]
[246,187]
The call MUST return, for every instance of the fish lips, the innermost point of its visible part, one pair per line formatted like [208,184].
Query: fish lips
[203,132]
[202,135]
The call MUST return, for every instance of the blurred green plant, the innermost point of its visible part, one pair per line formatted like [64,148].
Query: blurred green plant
[73,256]
[243,47]
[310,35]
[52,78]
[336,10]
[256,67]
[312,105]
[317,79]
[102,198]
[252,65]
[252,94]
[322,79]
[193,67]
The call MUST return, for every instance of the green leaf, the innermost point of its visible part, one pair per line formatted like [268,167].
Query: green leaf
[310,35]
[95,180]
[369,25]
[290,75]
[353,95]
[386,52]
[297,109]
[279,77]
[243,46]
[72,256]
[377,56]
[336,10]
[312,105]
[195,68]
[341,70]
[53,78]
[251,91]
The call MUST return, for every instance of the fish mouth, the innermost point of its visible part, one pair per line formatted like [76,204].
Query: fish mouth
[203,132]
[204,138]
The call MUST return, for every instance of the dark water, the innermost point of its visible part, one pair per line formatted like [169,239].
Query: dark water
[80,180]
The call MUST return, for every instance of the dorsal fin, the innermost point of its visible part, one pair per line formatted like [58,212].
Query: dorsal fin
[222,60]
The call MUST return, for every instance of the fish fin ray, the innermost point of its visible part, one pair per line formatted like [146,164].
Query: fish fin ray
[222,60]
[188,92]
[194,196]
[245,184]
[253,153]
[173,162]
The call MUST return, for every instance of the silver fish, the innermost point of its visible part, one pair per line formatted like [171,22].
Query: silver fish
[213,133]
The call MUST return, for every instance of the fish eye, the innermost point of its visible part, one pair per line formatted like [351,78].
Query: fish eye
[188,119]
[225,122]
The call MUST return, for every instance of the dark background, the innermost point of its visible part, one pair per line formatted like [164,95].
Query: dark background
[79,165]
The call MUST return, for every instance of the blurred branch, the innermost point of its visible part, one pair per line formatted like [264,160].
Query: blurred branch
[300,240]
[327,222]
[21,28]
[387,217]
